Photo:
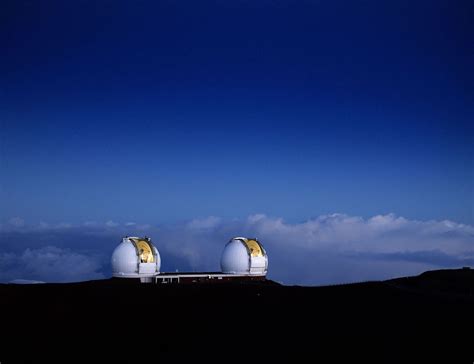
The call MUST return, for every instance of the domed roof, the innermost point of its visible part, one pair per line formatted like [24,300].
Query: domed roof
[135,257]
[244,256]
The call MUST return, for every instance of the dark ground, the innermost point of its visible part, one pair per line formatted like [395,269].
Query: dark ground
[428,318]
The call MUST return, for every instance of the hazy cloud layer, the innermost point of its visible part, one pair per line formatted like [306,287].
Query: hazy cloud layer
[325,250]
[50,264]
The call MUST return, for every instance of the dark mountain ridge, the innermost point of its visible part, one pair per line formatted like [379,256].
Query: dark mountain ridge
[428,316]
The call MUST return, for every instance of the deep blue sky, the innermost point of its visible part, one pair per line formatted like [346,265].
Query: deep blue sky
[158,111]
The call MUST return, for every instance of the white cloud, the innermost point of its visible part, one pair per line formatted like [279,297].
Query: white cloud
[91,223]
[143,227]
[332,248]
[381,233]
[43,225]
[16,222]
[25,281]
[64,225]
[49,264]
[203,224]
[327,249]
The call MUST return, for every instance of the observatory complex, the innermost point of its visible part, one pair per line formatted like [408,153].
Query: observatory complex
[242,259]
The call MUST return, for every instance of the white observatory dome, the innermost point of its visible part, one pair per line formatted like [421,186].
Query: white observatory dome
[244,256]
[135,258]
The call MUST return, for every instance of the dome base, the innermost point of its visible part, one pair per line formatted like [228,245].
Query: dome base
[134,275]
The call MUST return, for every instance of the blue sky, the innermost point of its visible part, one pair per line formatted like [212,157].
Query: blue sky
[160,112]
[171,110]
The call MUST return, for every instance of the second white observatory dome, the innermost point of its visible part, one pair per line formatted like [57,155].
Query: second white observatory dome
[244,256]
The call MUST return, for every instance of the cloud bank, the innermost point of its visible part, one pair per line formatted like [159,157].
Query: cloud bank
[50,264]
[328,249]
